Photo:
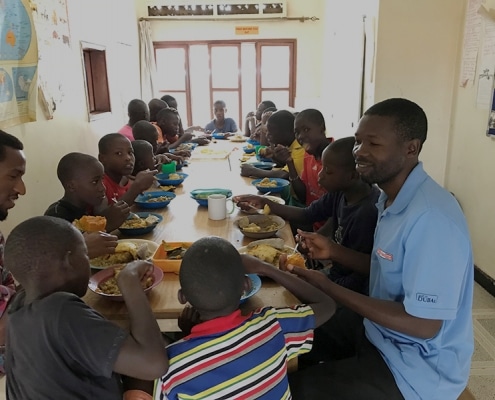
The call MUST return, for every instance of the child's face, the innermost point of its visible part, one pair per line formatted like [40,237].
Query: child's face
[88,185]
[219,112]
[146,162]
[120,158]
[308,134]
[333,177]
[170,125]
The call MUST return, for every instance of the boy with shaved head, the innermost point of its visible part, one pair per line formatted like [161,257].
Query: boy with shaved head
[230,355]
[59,348]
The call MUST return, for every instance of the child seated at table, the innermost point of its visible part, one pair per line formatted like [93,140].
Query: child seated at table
[117,157]
[59,348]
[220,124]
[169,122]
[349,209]
[144,157]
[81,176]
[228,354]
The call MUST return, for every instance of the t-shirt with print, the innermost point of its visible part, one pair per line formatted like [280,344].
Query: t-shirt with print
[59,348]
[113,190]
[237,356]
[353,226]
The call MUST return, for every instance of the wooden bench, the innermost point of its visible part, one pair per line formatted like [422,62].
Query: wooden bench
[466,395]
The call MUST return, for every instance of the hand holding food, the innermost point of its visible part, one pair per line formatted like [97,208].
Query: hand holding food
[100,243]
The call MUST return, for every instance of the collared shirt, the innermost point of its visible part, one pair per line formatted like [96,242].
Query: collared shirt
[237,356]
[422,258]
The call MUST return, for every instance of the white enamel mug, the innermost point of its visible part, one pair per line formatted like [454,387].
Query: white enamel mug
[217,207]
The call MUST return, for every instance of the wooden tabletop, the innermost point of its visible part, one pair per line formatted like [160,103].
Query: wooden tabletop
[184,220]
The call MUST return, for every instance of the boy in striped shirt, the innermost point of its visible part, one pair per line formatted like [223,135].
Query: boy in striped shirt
[228,355]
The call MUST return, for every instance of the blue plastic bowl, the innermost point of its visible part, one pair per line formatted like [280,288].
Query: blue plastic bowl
[255,287]
[145,200]
[163,179]
[219,136]
[206,192]
[253,142]
[248,150]
[266,165]
[263,159]
[281,184]
[141,231]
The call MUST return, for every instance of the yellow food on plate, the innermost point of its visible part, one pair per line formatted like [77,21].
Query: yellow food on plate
[174,176]
[266,209]
[124,253]
[265,253]
[135,223]
[110,285]
[266,182]
[297,260]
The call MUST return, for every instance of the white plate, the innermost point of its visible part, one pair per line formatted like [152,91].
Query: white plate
[152,246]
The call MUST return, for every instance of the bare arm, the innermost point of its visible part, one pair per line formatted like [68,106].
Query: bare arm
[291,213]
[296,183]
[389,314]
[323,306]
[143,354]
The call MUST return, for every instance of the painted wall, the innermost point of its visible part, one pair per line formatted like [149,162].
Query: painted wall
[45,141]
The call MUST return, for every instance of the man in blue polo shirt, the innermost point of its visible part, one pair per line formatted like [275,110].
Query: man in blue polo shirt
[417,340]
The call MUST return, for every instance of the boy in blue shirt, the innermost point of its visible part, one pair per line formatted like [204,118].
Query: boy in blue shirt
[221,124]
[416,340]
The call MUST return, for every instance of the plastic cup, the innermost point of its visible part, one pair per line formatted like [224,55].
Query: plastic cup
[169,168]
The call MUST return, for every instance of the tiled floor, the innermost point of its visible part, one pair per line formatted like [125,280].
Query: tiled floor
[482,380]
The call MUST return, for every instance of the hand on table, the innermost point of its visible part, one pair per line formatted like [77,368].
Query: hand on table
[249,170]
[100,243]
[245,201]
[201,141]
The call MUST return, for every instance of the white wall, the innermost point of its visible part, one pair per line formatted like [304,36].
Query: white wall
[47,141]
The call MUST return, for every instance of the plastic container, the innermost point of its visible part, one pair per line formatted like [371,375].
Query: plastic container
[169,168]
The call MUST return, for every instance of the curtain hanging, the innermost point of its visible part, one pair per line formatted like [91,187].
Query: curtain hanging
[147,61]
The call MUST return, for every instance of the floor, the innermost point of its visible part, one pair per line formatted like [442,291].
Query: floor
[482,380]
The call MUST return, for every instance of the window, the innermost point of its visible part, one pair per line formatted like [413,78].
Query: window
[95,71]
[242,73]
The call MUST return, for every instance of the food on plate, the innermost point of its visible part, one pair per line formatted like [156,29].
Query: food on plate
[263,225]
[270,250]
[135,223]
[110,286]
[265,253]
[174,176]
[174,251]
[124,253]
[249,146]
[168,188]
[266,209]
[158,199]
[296,259]
[90,223]
[185,147]
[266,182]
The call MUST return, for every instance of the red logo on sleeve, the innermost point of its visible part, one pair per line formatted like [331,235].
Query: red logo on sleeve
[385,255]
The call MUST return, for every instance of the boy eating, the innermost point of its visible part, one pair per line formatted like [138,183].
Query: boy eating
[58,346]
[228,354]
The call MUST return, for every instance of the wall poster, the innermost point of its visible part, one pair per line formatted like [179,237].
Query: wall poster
[18,63]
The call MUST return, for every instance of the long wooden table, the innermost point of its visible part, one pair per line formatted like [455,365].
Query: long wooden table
[184,220]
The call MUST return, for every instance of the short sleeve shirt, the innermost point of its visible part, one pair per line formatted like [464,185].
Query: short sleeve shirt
[113,190]
[59,348]
[65,210]
[126,130]
[229,125]
[422,258]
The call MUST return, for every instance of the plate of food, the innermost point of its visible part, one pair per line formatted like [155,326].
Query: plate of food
[254,287]
[270,250]
[251,211]
[273,185]
[175,178]
[259,226]
[104,283]
[155,199]
[238,138]
[127,250]
[168,255]
[265,165]
[253,142]
[220,135]
[201,195]
[249,149]
[146,222]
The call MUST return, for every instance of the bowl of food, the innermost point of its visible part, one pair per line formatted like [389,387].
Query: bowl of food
[168,255]
[104,283]
[259,226]
[264,210]
[201,195]
[270,250]
[254,287]
[146,222]
[127,250]
[265,165]
[249,149]
[175,178]
[155,199]
[273,185]
[238,138]
[253,142]
[219,135]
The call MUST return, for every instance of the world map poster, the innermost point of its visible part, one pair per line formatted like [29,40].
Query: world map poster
[18,63]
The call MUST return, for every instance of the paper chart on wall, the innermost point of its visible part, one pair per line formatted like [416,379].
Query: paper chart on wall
[18,64]
[486,71]
[52,29]
[471,43]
